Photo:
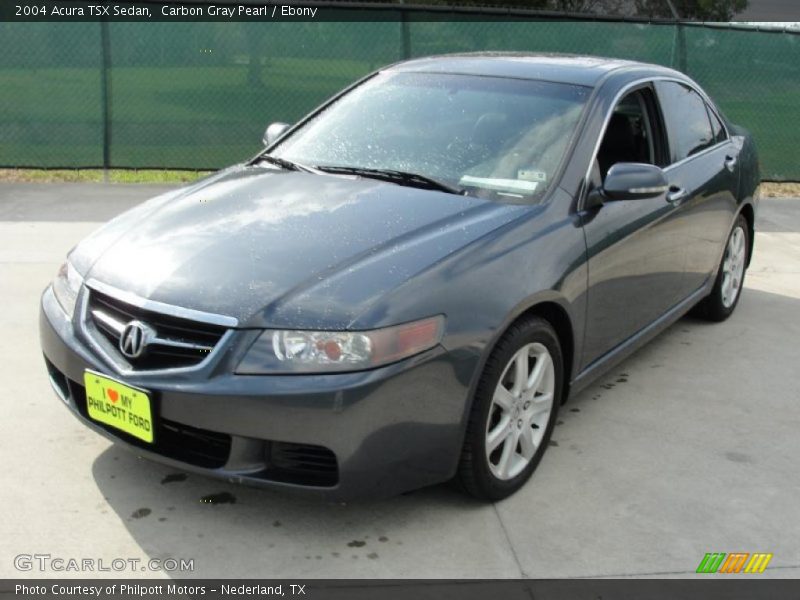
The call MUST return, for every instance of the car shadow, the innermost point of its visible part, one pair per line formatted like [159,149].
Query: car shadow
[174,514]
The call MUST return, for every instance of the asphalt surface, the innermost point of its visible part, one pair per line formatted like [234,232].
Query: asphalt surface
[690,446]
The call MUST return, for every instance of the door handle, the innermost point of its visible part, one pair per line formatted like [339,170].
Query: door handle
[677,194]
[730,162]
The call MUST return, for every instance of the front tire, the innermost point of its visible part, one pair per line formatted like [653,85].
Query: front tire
[514,410]
[722,301]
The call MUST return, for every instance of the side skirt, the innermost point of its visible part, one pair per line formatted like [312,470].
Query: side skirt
[622,351]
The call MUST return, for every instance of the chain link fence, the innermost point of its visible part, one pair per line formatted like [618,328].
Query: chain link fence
[197,95]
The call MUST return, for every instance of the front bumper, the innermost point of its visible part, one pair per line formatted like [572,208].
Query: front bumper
[368,434]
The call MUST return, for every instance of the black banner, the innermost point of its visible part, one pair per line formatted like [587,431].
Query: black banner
[724,11]
[712,588]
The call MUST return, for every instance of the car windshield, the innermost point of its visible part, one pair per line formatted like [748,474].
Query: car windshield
[491,136]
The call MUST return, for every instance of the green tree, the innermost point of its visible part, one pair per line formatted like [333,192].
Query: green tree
[703,10]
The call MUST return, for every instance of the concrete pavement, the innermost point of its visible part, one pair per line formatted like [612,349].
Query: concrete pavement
[689,447]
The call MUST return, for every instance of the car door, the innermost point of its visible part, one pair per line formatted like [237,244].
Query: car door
[636,248]
[704,168]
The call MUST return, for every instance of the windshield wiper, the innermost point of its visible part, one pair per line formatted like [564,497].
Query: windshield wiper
[287,164]
[399,177]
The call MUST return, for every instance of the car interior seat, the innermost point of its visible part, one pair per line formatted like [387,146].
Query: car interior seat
[619,144]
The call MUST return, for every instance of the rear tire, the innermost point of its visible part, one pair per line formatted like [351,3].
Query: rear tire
[514,410]
[724,297]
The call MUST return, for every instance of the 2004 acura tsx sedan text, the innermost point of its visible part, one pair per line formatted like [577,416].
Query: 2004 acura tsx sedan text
[404,287]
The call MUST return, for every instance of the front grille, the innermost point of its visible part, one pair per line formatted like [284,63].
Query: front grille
[178,343]
[301,464]
[199,447]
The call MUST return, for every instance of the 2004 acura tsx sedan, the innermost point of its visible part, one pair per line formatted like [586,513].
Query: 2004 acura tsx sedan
[404,287]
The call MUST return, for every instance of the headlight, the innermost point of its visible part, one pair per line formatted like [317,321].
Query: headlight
[66,286]
[282,351]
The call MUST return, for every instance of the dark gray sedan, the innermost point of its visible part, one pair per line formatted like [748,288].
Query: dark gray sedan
[404,287]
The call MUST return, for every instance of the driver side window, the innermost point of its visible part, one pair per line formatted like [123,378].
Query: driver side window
[632,135]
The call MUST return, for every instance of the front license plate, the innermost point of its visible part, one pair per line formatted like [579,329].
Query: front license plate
[118,405]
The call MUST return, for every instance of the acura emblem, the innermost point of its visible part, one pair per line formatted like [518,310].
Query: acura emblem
[134,339]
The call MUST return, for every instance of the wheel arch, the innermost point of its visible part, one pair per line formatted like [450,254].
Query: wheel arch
[555,314]
[551,309]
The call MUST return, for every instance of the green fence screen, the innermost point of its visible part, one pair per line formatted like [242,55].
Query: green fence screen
[199,95]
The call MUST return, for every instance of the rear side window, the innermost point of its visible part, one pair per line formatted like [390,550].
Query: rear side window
[688,127]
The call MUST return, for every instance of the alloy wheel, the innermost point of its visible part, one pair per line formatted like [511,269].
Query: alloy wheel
[520,410]
[733,267]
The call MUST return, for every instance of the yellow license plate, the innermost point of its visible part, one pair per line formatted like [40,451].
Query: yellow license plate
[118,405]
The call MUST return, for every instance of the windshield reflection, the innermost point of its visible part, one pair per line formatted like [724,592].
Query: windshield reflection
[493,136]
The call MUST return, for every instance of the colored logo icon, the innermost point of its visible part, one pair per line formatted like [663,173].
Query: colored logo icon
[735,562]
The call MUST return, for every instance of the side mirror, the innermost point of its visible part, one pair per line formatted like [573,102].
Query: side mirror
[630,181]
[273,132]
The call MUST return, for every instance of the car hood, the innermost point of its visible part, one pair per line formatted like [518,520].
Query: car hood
[280,248]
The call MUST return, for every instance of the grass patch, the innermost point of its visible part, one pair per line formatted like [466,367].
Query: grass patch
[774,189]
[96,176]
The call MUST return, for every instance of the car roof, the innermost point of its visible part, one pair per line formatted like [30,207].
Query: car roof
[560,68]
